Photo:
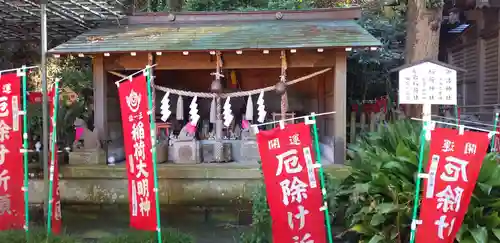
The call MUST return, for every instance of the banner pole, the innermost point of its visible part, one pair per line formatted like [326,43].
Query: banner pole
[417,185]
[148,69]
[322,178]
[492,146]
[25,147]
[52,156]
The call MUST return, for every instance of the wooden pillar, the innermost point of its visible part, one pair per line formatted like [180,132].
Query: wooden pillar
[340,104]
[100,99]
[481,61]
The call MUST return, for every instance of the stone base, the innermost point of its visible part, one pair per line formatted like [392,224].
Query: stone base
[208,151]
[87,157]
[186,152]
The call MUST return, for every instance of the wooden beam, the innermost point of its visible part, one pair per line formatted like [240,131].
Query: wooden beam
[203,60]
[118,74]
[100,99]
[340,103]
[201,17]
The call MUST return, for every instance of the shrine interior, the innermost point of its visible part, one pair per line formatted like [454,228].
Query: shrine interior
[311,95]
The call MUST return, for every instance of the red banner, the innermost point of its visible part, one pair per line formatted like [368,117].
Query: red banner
[56,197]
[137,141]
[292,185]
[454,164]
[11,158]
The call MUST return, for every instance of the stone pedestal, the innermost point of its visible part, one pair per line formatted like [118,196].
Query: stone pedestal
[162,152]
[208,151]
[186,152]
[249,150]
[87,157]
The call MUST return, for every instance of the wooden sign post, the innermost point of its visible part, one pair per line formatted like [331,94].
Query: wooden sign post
[426,83]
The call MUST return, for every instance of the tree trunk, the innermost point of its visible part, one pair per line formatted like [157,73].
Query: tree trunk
[175,5]
[422,37]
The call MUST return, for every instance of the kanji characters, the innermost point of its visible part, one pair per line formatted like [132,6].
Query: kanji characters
[141,169]
[296,189]
[145,206]
[4,106]
[4,131]
[305,239]
[290,160]
[301,216]
[442,225]
[4,179]
[139,152]
[449,199]
[454,168]
[7,88]
[448,146]
[143,187]
[138,131]
[3,151]
[294,139]
[470,148]
[274,143]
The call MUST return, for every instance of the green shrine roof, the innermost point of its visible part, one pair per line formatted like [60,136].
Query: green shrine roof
[220,35]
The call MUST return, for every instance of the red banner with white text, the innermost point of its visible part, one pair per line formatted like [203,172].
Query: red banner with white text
[454,164]
[11,159]
[56,197]
[137,140]
[292,185]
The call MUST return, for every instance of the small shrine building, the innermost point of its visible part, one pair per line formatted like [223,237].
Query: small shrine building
[246,52]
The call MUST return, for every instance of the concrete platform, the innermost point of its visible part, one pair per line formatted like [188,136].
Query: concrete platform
[197,185]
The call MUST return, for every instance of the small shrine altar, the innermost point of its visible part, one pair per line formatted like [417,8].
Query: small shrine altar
[209,92]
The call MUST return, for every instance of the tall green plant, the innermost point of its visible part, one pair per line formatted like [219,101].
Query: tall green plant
[379,193]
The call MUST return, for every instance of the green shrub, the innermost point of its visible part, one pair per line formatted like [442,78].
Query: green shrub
[36,236]
[168,236]
[379,193]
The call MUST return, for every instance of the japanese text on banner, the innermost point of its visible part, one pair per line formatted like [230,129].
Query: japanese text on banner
[11,159]
[138,145]
[292,189]
[453,168]
[56,197]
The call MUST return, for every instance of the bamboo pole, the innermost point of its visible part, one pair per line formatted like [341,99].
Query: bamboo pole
[153,151]
[25,147]
[53,154]
[322,178]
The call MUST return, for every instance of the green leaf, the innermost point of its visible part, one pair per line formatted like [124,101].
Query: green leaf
[361,188]
[496,232]
[480,234]
[377,219]
[385,208]
[485,188]
[376,239]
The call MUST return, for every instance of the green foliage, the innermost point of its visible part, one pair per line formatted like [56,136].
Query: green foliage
[369,71]
[168,236]
[36,236]
[379,193]
[261,219]
[76,76]
[482,223]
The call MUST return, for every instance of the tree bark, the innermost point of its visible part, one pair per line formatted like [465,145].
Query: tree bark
[422,37]
[175,5]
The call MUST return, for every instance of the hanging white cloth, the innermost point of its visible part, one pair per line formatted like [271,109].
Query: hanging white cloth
[179,114]
[249,110]
[213,112]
